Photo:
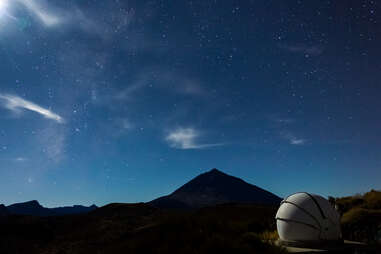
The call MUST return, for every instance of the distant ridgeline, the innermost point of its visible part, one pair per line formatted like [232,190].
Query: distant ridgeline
[361,216]
[35,209]
[208,189]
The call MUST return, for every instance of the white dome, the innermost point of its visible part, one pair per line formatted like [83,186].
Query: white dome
[304,217]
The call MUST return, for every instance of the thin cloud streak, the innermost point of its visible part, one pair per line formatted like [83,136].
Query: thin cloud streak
[15,103]
[53,16]
[297,141]
[16,159]
[20,159]
[292,139]
[185,138]
[314,50]
[165,80]
[52,141]
[46,17]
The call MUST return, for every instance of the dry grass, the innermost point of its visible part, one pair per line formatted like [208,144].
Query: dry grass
[268,236]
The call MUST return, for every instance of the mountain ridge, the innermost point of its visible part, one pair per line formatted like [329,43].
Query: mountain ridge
[210,188]
[34,208]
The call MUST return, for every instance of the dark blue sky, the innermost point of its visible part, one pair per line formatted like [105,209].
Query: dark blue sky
[124,101]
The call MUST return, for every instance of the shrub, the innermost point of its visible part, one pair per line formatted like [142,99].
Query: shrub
[372,199]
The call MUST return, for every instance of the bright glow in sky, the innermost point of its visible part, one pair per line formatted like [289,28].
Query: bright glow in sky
[3,7]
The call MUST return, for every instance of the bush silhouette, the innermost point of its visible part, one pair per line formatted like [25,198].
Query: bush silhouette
[361,216]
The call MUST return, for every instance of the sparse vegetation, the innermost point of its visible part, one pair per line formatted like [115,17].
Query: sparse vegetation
[361,216]
[268,236]
[372,199]
[206,232]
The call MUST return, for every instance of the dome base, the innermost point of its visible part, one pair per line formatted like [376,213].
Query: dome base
[321,244]
[342,246]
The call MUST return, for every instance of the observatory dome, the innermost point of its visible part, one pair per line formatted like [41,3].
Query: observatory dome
[307,218]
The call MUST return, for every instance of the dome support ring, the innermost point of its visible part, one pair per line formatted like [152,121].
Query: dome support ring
[295,221]
[305,211]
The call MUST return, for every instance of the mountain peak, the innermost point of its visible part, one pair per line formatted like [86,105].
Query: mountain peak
[213,174]
[28,207]
[215,171]
[32,203]
[216,187]
[28,204]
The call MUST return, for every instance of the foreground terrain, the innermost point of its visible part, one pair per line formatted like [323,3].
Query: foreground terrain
[212,213]
[142,228]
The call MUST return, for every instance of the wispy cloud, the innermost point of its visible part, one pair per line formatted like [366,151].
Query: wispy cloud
[284,121]
[16,159]
[292,139]
[15,104]
[118,127]
[52,15]
[186,138]
[53,142]
[46,16]
[181,84]
[311,50]
[20,159]
[173,82]
[295,141]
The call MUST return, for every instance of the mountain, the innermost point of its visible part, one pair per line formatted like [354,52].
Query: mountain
[215,187]
[29,208]
[76,209]
[34,208]
[3,210]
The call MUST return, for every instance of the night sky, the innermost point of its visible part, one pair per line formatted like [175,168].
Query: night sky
[125,101]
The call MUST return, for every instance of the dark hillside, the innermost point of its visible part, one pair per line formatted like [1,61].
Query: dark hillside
[3,210]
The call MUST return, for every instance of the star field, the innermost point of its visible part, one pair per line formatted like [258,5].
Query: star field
[124,101]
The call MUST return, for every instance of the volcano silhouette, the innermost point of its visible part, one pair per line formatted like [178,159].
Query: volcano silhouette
[215,187]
